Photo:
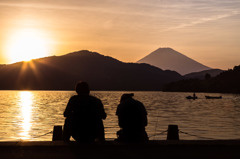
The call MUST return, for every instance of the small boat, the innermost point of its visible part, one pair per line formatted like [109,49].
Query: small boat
[191,97]
[213,97]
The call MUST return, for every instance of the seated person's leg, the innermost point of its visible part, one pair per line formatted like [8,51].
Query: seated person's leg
[67,130]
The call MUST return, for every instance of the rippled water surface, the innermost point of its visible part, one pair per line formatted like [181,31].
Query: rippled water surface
[28,115]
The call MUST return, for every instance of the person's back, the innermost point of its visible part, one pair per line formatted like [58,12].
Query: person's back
[132,118]
[84,114]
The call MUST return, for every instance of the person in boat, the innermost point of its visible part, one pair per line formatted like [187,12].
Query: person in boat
[194,95]
[132,120]
[84,114]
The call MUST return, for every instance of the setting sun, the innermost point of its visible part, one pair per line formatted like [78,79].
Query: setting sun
[27,44]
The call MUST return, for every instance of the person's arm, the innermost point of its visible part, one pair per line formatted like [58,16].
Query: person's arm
[144,114]
[102,114]
[119,114]
[145,120]
[68,110]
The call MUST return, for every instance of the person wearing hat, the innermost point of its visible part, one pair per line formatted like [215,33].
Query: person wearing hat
[132,120]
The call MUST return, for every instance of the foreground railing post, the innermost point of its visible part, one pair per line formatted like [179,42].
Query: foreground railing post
[57,133]
[172,132]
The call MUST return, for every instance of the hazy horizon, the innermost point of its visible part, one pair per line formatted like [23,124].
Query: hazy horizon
[206,31]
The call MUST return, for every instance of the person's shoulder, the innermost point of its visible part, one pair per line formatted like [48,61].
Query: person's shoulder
[141,106]
[74,97]
[93,98]
[123,105]
[138,102]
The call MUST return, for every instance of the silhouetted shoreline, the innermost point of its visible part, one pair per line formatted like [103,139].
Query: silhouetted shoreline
[225,82]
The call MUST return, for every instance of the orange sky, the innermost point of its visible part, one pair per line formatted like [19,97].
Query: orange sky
[207,31]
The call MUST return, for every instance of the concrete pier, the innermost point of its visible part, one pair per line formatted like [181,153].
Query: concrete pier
[197,149]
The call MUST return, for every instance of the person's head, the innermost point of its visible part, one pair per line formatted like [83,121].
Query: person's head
[82,88]
[126,96]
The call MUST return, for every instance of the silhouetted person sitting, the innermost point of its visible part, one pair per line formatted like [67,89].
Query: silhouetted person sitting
[84,114]
[132,119]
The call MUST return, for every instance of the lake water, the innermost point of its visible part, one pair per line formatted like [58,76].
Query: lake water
[29,115]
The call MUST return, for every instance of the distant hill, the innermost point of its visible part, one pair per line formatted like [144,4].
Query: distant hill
[225,82]
[169,59]
[202,74]
[101,72]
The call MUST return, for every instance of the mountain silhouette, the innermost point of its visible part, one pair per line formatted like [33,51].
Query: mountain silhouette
[169,59]
[101,72]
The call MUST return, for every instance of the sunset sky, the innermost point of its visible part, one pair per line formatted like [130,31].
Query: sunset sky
[206,30]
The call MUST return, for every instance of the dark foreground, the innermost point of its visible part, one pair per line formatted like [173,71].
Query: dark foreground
[228,149]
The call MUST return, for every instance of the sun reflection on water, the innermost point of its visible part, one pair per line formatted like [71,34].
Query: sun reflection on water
[25,102]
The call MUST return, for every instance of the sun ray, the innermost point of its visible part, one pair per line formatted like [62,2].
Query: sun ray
[30,70]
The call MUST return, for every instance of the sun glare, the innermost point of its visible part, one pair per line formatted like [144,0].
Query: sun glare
[25,102]
[27,44]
